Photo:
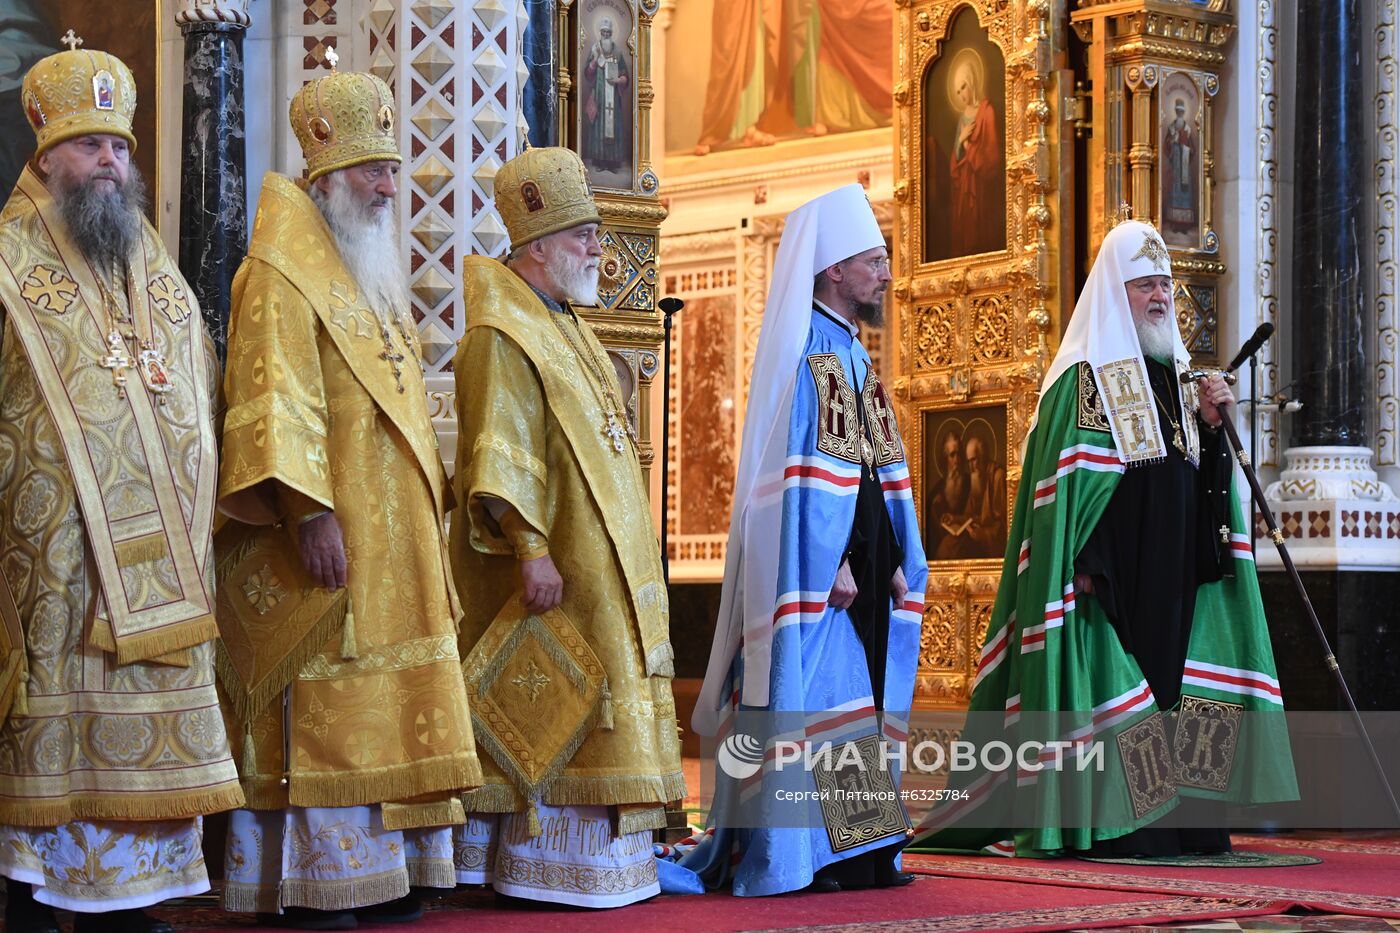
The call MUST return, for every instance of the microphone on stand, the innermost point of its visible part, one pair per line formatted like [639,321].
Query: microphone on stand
[1251,346]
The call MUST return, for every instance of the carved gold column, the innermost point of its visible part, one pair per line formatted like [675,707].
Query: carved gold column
[627,321]
[1163,56]
[1142,155]
[978,318]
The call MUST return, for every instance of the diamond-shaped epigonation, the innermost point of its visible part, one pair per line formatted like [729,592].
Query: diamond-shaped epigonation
[489,232]
[432,12]
[432,119]
[431,288]
[432,231]
[432,63]
[489,65]
[431,175]
[489,121]
[485,175]
[436,342]
[381,64]
[490,12]
[381,14]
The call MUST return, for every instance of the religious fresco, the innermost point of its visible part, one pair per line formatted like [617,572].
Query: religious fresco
[965,503]
[606,92]
[706,415]
[777,72]
[964,149]
[34,29]
[1179,116]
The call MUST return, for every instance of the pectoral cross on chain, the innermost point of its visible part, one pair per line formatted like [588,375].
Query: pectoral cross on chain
[394,359]
[614,430]
[118,360]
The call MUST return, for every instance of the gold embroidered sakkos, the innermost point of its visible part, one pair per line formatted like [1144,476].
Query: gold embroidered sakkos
[529,438]
[379,707]
[105,563]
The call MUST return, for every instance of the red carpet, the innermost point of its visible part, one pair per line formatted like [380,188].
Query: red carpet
[1360,874]
[936,904]
[1355,877]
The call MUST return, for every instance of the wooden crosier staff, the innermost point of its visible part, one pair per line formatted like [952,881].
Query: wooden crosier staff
[1329,657]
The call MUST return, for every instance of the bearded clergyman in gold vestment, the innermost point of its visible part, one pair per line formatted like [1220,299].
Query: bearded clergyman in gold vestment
[336,605]
[112,747]
[566,640]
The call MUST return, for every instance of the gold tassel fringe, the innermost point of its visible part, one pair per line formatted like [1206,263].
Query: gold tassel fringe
[265,793]
[605,710]
[249,766]
[631,819]
[569,789]
[345,895]
[493,798]
[532,821]
[168,805]
[149,645]
[245,703]
[21,704]
[347,634]
[375,785]
[142,550]
[405,815]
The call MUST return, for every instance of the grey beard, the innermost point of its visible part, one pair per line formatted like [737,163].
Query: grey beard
[1156,339]
[871,312]
[578,283]
[105,226]
[369,250]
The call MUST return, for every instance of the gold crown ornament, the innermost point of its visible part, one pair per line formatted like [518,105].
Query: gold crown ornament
[344,119]
[543,191]
[79,92]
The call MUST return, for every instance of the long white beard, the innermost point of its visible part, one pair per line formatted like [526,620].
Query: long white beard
[368,241]
[1157,340]
[574,277]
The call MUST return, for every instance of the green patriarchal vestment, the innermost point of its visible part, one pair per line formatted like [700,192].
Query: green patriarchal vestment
[1054,670]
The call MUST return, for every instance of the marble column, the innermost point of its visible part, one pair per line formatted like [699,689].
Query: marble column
[1335,512]
[539,99]
[1337,519]
[1331,319]
[213,201]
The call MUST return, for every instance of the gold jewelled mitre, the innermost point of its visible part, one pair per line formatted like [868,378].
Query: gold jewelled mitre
[344,119]
[543,191]
[76,93]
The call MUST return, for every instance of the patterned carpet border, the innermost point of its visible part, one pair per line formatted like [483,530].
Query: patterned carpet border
[1381,845]
[1075,917]
[1034,871]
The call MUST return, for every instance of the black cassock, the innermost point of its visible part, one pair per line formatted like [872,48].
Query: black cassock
[874,555]
[1158,540]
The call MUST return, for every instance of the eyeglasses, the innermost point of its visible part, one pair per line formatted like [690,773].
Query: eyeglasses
[1148,286]
[880,264]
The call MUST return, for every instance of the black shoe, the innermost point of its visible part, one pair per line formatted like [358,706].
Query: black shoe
[120,921]
[823,886]
[23,914]
[405,909]
[304,918]
[897,880]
